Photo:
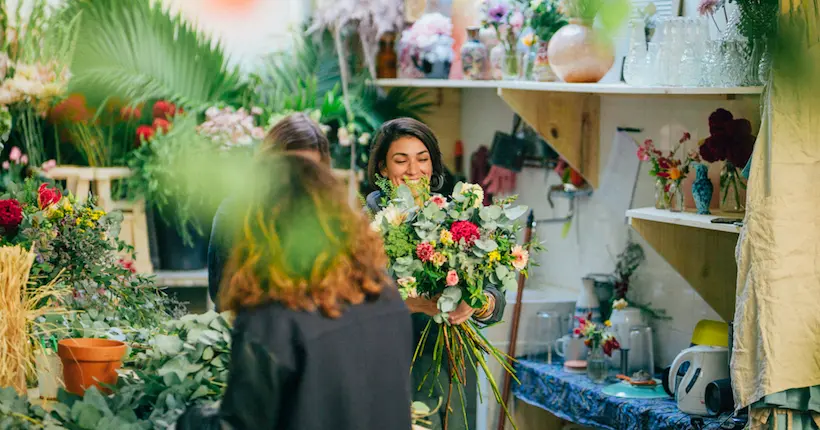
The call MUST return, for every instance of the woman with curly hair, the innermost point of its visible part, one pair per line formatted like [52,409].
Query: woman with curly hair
[322,339]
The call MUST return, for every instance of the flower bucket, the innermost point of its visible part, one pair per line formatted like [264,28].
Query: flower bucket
[90,362]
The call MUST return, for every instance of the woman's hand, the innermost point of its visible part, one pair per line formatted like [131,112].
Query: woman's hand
[462,313]
[422,305]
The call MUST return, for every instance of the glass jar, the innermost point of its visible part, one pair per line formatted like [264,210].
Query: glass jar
[597,365]
[731,182]
[475,58]
[636,57]
[497,58]
[510,65]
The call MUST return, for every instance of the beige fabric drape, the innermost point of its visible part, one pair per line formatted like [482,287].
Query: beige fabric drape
[777,317]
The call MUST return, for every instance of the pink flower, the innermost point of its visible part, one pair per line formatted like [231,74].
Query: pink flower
[15,154]
[24,159]
[520,257]
[6,165]
[643,154]
[48,165]
[425,251]
[517,20]
[452,278]
[707,6]
[439,201]
[686,136]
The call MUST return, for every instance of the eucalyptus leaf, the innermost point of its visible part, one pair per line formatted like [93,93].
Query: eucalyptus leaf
[489,213]
[168,345]
[486,245]
[515,212]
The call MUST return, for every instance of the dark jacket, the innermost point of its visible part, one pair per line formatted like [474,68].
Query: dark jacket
[295,370]
[420,320]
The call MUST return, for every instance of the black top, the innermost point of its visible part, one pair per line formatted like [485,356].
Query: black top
[295,370]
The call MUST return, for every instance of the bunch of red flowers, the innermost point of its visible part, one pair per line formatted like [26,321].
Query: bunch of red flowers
[730,139]
[465,230]
[163,111]
[11,215]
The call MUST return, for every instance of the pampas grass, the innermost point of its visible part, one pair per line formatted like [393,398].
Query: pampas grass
[21,305]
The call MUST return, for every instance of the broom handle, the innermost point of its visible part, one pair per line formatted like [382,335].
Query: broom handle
[505,394]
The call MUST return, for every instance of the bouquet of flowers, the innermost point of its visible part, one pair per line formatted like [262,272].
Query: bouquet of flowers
[429,39]
[730,140]
[596,336]
[451,250]
[668,169]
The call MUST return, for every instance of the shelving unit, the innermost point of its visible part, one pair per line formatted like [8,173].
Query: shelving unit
[568,115]
[701,251]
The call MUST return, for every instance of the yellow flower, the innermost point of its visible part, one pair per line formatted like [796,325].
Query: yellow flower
[528,40]
[619,304]
[66,204]
[446,238]
[607,323]
[494,256]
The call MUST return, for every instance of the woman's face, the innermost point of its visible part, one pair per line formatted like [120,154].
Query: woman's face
[407,159]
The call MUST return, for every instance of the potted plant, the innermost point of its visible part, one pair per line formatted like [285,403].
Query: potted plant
[546,20]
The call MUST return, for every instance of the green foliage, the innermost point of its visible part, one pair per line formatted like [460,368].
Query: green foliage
[398,242]
[186,365]
[546,19]
[138,51]
[758,18]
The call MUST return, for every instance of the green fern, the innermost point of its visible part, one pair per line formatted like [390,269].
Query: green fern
[139,51]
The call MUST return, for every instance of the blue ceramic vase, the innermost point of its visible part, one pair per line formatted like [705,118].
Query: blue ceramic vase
[702,189]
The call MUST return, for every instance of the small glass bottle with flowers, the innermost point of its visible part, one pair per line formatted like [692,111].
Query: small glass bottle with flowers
[669,172]
[601,342]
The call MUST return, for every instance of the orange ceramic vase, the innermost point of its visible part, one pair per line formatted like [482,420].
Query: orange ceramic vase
[579,54]
[90,362]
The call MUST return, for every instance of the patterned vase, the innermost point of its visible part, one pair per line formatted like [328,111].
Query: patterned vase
[702,189]
[542,71]
[475,59]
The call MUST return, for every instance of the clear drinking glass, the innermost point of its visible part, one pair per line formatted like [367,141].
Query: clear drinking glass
[546,329]
[641,350]
[636,58]
[651,69]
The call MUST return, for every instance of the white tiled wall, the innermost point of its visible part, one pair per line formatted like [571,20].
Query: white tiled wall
[596,236]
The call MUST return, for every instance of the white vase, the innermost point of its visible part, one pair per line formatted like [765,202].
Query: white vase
[623,321]
[588,302]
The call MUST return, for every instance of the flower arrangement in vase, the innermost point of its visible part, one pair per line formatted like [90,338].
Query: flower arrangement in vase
[426,48]
[669,172]
[545,21]
[731,140]
[507,18]
[600,342]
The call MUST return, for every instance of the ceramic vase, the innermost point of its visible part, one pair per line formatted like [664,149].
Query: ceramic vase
[541,70]
[623,321]
[578,53]
[475,58]
[702,189]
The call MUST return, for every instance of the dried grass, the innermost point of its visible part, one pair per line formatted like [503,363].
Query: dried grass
[20,306]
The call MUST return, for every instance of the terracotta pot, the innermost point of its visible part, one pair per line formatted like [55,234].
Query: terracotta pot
[88,362]
[577,53]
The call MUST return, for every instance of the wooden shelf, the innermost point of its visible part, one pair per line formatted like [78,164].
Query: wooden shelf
[702,252]
[563,87]
[193,278]
[689,219]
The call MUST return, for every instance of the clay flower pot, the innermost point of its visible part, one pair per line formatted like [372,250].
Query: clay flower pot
[88,362]
[579,54]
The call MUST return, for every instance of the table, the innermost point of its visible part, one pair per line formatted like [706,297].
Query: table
[574,397]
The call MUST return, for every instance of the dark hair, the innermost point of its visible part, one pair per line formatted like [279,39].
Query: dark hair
[394,130]
[296,132]
[302,245]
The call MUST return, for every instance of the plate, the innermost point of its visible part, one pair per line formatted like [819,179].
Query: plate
[628,391]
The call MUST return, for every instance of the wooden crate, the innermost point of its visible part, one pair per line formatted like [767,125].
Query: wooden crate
[85,181]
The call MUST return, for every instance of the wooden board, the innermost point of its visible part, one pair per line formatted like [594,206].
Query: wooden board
[705,258]
[569,122]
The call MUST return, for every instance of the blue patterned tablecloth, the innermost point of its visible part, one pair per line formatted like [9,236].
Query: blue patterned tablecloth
[574,397]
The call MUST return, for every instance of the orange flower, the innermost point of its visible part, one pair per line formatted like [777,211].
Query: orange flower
[674,174]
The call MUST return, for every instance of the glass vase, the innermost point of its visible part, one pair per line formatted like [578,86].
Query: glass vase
[597,365]
[731,182]
[661,200]
[510,65]
[674,196]
[498,55]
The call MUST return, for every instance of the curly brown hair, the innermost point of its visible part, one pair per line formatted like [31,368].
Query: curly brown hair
[302,245]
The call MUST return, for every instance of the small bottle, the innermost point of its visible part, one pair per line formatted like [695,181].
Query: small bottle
[386,59]
[475,59]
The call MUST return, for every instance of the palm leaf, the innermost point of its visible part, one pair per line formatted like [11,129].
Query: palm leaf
[138,51]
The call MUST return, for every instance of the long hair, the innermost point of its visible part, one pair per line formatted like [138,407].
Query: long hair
[302,245]
[394,130]
[296,132]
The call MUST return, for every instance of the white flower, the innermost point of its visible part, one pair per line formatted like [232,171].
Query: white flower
[344,136]
[256,110]
[468,189]
[212,112]
[325,128]
[407,281]
[364,139]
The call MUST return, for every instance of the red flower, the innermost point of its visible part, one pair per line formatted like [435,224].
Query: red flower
[720,122]
[72,109]
[144,134]
[610,345]
[164,109]
[130,113]
[686,136]
[425,251]
[161,124]
[464,230]
[128,265]
[48,196]
[11,215]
